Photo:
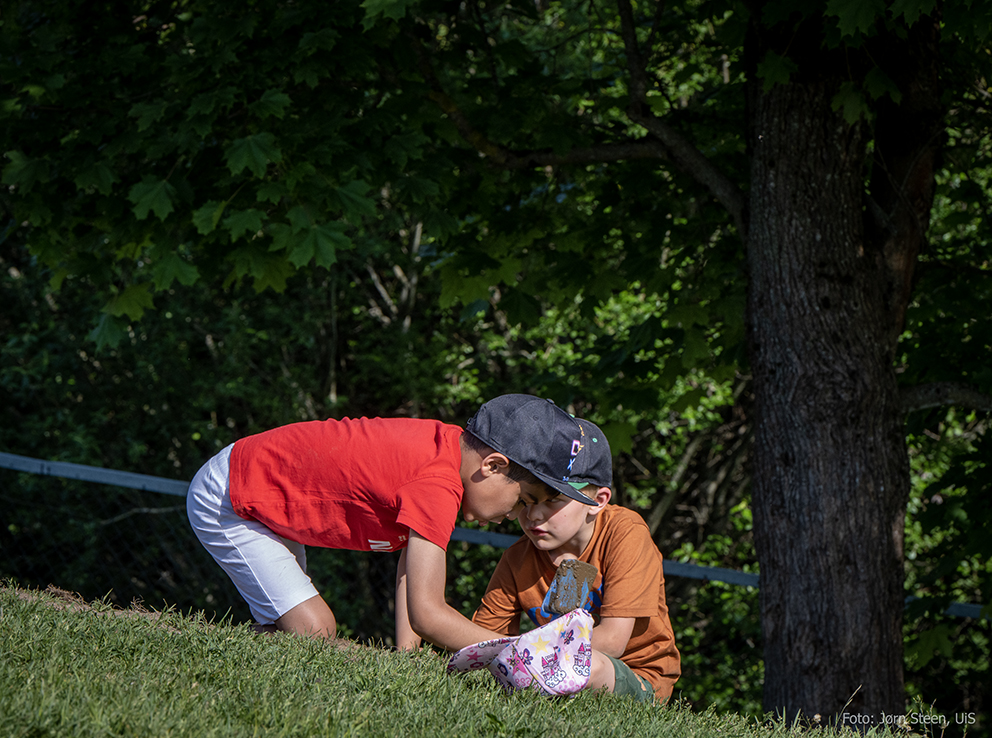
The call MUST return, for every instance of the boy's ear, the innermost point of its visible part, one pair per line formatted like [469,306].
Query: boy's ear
[602,496]
[494,463]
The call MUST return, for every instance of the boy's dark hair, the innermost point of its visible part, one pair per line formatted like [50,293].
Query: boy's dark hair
[515,472]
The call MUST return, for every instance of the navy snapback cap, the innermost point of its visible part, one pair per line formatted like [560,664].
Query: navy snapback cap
[564,452]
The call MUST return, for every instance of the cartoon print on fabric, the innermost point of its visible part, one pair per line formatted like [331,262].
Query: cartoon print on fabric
[583,660]
[479,655]
[551,669]
[520,670]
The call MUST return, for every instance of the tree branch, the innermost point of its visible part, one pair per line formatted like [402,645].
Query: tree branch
[635,64]
[692,162]
[923,268]
[381,289]
[905,158]
[511,159]
[682,152]
[939,394]
[665,143]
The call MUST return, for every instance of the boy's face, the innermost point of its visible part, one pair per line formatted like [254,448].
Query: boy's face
[561,525]
[494,498]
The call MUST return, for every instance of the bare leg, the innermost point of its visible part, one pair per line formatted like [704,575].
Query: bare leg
[603,675]
[311,618]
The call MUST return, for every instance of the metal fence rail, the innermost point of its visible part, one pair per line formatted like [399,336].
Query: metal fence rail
[176,487]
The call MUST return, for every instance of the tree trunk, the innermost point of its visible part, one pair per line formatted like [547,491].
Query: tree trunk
[830,278]
[831,472]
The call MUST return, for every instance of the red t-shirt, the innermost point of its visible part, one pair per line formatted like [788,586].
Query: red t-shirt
[359,484]
[630,584]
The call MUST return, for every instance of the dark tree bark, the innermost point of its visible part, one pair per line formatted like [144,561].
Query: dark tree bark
[829,282]
[831,473]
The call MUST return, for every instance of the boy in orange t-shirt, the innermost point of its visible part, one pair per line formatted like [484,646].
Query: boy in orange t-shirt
[633,644]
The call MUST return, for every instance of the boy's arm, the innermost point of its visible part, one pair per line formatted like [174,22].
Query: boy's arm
[429,615]
[406,638]
[611,636]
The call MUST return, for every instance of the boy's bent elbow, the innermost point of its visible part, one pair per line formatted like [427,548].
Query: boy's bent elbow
[419,625]
[427,623]
[616,652]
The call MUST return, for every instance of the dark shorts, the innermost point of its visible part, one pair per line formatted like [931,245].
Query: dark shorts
[629,684]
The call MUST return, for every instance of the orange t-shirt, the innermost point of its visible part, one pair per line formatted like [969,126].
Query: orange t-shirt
[630,584]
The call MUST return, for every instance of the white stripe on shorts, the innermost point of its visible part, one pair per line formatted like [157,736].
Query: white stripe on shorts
[268,570]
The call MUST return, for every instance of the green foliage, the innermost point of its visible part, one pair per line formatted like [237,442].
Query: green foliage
[722,619]
[716,618]
[855,17]
[949,560]
[775,70]
[206,129]
[949,513]
[374,9]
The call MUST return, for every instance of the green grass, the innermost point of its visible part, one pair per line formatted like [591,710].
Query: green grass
[72,670]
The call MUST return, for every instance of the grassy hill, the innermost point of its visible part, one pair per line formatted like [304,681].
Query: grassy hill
[68,668]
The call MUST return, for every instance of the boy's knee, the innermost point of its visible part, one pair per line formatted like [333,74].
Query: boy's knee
[602,674]
[311,618]
[628,684]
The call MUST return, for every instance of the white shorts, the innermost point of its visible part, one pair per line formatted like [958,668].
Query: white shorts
[268,570]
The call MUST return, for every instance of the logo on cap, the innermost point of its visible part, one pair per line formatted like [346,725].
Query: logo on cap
[577,446]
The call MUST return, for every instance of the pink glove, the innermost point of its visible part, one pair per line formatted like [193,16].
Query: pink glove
[554,659]
[478,656]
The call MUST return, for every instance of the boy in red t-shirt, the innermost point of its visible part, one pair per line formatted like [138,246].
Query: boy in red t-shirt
[633,644]
[379,484]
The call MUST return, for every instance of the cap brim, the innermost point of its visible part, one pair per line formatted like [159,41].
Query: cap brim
[566,489]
